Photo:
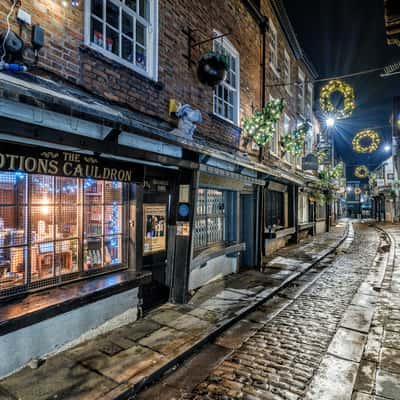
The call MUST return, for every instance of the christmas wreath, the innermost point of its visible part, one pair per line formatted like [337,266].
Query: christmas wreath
[348,99]
[261,125]
[357,191]
[371,137]
[361,172]
[294,143]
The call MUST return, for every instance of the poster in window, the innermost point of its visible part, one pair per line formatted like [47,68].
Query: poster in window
[155,228]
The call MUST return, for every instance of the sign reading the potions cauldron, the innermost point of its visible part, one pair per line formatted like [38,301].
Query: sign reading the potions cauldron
[45,161]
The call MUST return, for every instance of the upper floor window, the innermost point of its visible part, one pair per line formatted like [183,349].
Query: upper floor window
[273,47]
[300,91]
[274,148]
[309,101]
[226,94]
[124,30]
[286,70]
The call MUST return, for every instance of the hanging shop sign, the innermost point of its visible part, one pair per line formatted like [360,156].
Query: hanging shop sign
[154,228]
[37,160]
[310,162]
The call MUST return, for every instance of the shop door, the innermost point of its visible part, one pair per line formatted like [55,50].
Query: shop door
[155,225]
[247,229]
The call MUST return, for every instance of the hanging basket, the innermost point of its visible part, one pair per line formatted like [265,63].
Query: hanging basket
[212,68]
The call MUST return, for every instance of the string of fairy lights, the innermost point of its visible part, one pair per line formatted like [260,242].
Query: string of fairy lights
[261,126]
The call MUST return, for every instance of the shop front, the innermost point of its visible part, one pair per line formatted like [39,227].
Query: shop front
[280,213]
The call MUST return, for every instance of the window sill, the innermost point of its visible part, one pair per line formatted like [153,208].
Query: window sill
[280,233]
[37,307]
[116,63]
[305,225]
[224,120]
[222,249]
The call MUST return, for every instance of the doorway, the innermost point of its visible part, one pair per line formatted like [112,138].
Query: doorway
[248,229]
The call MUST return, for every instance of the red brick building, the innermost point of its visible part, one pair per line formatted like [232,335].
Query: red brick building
[98,189]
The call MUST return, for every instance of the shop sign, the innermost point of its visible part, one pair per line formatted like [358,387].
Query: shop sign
[37,160]
[154,227]
[310,162]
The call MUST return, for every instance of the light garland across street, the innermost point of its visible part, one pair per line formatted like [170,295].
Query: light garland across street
[327,105]
[361,172]
[359,141]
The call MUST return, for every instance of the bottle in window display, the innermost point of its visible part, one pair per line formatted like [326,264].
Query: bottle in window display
[110,43]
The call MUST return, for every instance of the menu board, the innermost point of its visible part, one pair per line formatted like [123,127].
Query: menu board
[155,228]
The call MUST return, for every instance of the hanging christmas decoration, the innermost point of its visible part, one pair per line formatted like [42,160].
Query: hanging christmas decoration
[357,191]
[327,105]
[294,143]
[328,175]
[366,141]
[373,178]
[361,172]
[261,125]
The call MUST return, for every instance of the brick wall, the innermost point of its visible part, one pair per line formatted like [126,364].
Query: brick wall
[65,56]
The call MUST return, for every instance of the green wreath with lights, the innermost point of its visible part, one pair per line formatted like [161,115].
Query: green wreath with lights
[261,126]
[348,99]
[357,191]
[369,134]
[294,143]
[361,172]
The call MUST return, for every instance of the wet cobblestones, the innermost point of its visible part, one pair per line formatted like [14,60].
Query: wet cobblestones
[280,359]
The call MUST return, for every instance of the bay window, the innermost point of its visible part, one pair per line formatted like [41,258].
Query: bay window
[53,229]
[124,30]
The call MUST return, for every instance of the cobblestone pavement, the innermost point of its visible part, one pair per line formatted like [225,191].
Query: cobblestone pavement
[286,348]
[379,373]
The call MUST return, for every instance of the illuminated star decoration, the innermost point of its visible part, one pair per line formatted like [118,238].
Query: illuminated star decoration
[361,172]
[261,126]
[359,141]
[348,99]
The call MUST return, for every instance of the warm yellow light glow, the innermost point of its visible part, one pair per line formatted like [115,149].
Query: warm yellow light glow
[45,209]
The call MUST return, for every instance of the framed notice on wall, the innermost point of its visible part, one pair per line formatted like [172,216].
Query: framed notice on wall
[154,228]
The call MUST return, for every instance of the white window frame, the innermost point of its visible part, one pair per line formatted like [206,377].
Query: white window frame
[301,78]
[288,71]
[309,100]
[151,71]
[274,56]
[288,157]
[232,52]
[274,148]
[303,208]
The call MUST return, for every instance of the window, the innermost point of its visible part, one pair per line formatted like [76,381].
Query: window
[300,92]
[286,71]
[288,157]
[303,208]
[125,30]
[53,227]
[273,49]
[320,211]
[309,101]
[215,218]
[226,95]
[274,148]
[274,209]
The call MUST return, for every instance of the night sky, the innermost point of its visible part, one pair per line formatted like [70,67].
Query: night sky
[346,36]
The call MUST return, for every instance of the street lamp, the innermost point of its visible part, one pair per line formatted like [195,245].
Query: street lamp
[330,122]
[387,148]
[349,189]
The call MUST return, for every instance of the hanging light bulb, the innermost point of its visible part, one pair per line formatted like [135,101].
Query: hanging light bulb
[75,3]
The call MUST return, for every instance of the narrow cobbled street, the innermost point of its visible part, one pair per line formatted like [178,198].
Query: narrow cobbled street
[322,329]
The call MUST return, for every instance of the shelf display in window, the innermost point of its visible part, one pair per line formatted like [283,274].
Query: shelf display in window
[66,217]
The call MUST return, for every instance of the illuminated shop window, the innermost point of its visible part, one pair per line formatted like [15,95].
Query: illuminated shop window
[53,227]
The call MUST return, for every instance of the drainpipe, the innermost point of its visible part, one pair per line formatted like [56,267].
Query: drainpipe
[263,23]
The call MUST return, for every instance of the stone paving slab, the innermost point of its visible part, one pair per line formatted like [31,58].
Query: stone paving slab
[334,380]
[388,385]
[390,360]
[59,377]
[348,344]
[357,318]
[366,377]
